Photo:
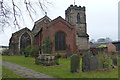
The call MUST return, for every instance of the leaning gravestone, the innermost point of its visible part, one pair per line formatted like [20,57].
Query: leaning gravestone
[75,63]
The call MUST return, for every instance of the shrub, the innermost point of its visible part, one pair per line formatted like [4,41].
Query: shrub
[37,61]
[22,50]
[104,60]
[31,50]
[46,46]
[107,62]
[58,55]
[75,63]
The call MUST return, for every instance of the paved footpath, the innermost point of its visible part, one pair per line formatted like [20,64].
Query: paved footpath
[23,71]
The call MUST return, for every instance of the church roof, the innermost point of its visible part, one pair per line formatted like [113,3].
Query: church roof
[39,24]
[17,34]
[40,20]
[62,20]
[21,30]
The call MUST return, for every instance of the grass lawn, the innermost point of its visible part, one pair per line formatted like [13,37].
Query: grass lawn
[61,71]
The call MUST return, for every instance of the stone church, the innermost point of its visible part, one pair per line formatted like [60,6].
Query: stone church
[66,35]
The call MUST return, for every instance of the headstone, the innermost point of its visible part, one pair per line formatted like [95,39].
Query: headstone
[114,61]
[89,62]
[75,63]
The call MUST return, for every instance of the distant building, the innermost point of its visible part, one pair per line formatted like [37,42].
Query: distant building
[108,47]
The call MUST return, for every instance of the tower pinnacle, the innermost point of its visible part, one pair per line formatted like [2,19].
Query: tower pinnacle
[74,2]
[46,13]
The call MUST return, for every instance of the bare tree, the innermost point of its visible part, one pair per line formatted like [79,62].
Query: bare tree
[11,11]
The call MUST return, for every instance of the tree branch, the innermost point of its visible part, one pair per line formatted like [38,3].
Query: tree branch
[12,12]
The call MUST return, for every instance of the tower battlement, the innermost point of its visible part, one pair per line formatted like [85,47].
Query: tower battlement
[75,7]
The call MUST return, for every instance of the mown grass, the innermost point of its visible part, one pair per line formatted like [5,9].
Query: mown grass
[61,71]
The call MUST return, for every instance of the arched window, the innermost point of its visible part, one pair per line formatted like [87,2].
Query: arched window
[25,41]
[78,18]
[60,42]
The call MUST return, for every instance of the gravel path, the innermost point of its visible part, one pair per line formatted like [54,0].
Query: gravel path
[23,71]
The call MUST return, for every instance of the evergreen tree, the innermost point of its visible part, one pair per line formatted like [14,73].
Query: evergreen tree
[46,47]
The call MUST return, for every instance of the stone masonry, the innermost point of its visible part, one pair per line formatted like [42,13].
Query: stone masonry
[77,17]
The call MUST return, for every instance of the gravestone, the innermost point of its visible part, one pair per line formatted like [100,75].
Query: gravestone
[89,62]
[75,63]
[115,61]
[100,63]
[93,63]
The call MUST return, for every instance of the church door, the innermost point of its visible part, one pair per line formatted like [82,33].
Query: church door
[60,42]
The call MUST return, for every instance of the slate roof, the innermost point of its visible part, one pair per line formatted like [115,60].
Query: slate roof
[39,24]
[59,18]
[21,30]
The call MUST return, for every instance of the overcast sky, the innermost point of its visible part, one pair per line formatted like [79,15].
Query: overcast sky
[101,16]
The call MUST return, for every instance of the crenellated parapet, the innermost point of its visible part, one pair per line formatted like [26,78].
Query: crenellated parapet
[75,7]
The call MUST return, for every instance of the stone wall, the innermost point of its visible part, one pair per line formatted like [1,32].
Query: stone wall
[82,43]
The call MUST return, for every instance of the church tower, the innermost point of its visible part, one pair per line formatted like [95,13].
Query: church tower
[77,17]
